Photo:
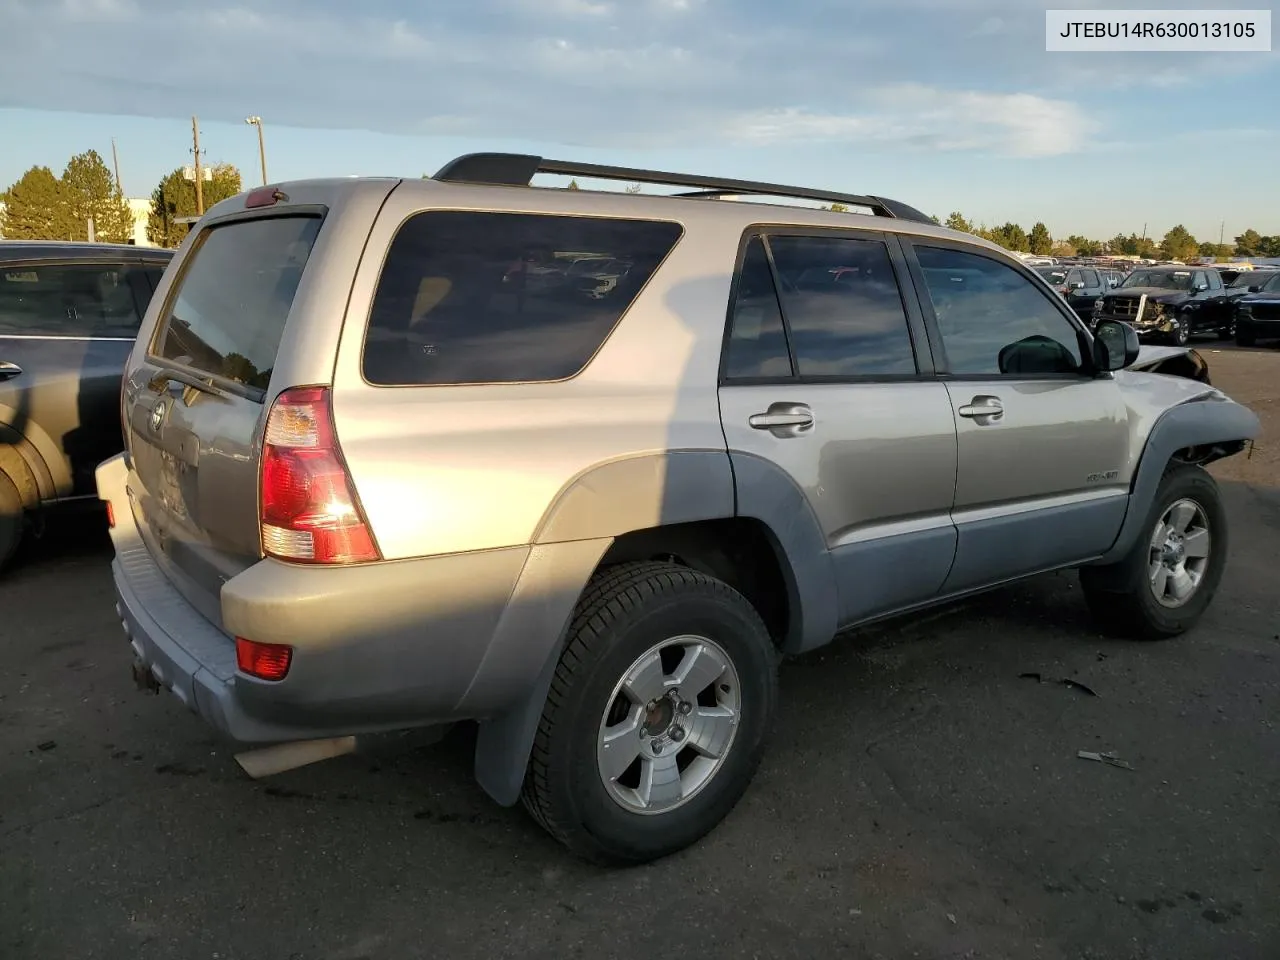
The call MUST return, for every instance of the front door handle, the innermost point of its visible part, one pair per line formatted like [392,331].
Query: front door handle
[9,370]
[783,419]
[983,409]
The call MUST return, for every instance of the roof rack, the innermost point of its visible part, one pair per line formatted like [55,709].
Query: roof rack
[518,169]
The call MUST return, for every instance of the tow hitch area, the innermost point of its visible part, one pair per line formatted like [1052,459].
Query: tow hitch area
[144,678]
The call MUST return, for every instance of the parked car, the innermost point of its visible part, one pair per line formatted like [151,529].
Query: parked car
[1170,303]
[68,315]
[1079,286]
[369,486]
[1257,313]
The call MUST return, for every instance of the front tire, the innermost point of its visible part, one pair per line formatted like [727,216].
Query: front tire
[657,716]
[1167,580]
[1182,335]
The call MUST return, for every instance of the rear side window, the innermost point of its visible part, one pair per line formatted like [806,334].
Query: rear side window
[88,300]
[842,307]
[233,298]
[757,343]
[469,297]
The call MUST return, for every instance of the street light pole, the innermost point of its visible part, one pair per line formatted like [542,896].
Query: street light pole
[262,150]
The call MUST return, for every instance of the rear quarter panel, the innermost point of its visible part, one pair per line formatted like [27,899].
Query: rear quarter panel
[443,469]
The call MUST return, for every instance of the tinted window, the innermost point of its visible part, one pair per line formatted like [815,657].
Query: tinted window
[1090,278]
[234,297]
[757,344]
[1215,280]
[993,320]
[842,307]
[505,297]
[72,299]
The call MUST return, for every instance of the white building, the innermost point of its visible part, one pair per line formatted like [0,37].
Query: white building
[140,207]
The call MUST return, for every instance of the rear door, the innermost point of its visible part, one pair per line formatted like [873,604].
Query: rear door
[1042,442]
[827,375]
[195,396]
[68,326]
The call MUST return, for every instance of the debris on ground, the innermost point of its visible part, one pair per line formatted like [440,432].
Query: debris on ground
[47,745]
[1064,681]
[1108,758]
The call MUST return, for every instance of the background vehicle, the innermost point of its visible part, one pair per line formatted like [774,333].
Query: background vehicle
[1257,313]
[1080,286]
[372,482]
[68,315]
[1170,303]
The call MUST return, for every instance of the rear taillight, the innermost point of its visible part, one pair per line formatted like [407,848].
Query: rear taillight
[266,661]
[309,512]
[111,515]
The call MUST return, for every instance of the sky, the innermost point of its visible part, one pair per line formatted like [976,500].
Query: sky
[942,104]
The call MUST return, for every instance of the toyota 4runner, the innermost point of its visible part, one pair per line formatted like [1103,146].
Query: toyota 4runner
[390,463]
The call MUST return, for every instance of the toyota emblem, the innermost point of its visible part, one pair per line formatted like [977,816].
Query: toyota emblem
[157,415]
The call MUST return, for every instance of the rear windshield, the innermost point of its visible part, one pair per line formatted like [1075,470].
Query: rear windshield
[470,297]
[234,296]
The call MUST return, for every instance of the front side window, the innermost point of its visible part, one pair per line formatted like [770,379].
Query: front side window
[472,297]
[842,306]
[993,320]
[72,300]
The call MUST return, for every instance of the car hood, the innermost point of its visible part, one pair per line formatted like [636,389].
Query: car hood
[1268,297]
[1150,355]
[1159,294]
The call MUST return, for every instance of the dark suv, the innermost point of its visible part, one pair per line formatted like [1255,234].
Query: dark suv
[1170,303]
[69,313]
[1257,313]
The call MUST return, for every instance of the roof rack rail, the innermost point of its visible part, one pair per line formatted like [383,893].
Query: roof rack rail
[518,169]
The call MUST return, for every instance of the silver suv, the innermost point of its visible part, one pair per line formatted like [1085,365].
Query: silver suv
[392,463]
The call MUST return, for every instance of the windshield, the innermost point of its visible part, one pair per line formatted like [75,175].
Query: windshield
[1055,275]
[1163,279]
[1270,283]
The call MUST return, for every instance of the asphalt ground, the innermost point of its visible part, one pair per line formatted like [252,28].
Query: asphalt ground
[920,798]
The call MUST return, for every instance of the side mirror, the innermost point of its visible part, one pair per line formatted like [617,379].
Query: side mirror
[1200,288]
[1114,282]
[1115,345]
[1078,285]
[1255,289]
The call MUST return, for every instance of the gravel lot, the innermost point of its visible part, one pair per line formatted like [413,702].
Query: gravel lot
[920,799]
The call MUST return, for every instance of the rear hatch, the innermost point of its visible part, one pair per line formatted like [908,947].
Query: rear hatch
[194,400]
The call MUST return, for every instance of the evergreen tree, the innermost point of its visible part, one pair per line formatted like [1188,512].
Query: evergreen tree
[175,197]
[35,208]
[91,191]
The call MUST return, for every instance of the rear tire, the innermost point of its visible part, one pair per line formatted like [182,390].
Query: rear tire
[1182,547]
[12,519]
[669,666]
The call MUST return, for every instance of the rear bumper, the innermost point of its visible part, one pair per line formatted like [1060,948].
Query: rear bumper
[376,647]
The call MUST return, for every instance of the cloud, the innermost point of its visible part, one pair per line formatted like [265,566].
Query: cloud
[952,75]
[917,116]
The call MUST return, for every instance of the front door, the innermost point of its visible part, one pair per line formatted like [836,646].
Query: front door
[1042,443]
[821,380]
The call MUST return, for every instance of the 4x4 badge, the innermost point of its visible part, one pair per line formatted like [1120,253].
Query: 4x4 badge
[157,415]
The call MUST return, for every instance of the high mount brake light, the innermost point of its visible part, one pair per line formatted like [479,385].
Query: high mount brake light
[309,512]
[263,197]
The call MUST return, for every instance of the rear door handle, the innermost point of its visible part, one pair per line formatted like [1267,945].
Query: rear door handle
[767,421]
[9,370]
[783,419]
[982,408]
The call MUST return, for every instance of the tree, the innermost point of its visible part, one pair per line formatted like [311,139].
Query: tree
[175,197]
[837,208]
[1063,248]
[1179,244]
[634,188]
[1039,242]
[1248,244]
[573,185]
[1084,246]
[1011,237]
[35,208]
[92,192]
[1269,247]
[1219,251]
[956,221]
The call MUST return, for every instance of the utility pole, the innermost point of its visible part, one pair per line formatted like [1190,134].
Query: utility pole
[195,139]
[262,150]
[1222,230]
[115,160]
